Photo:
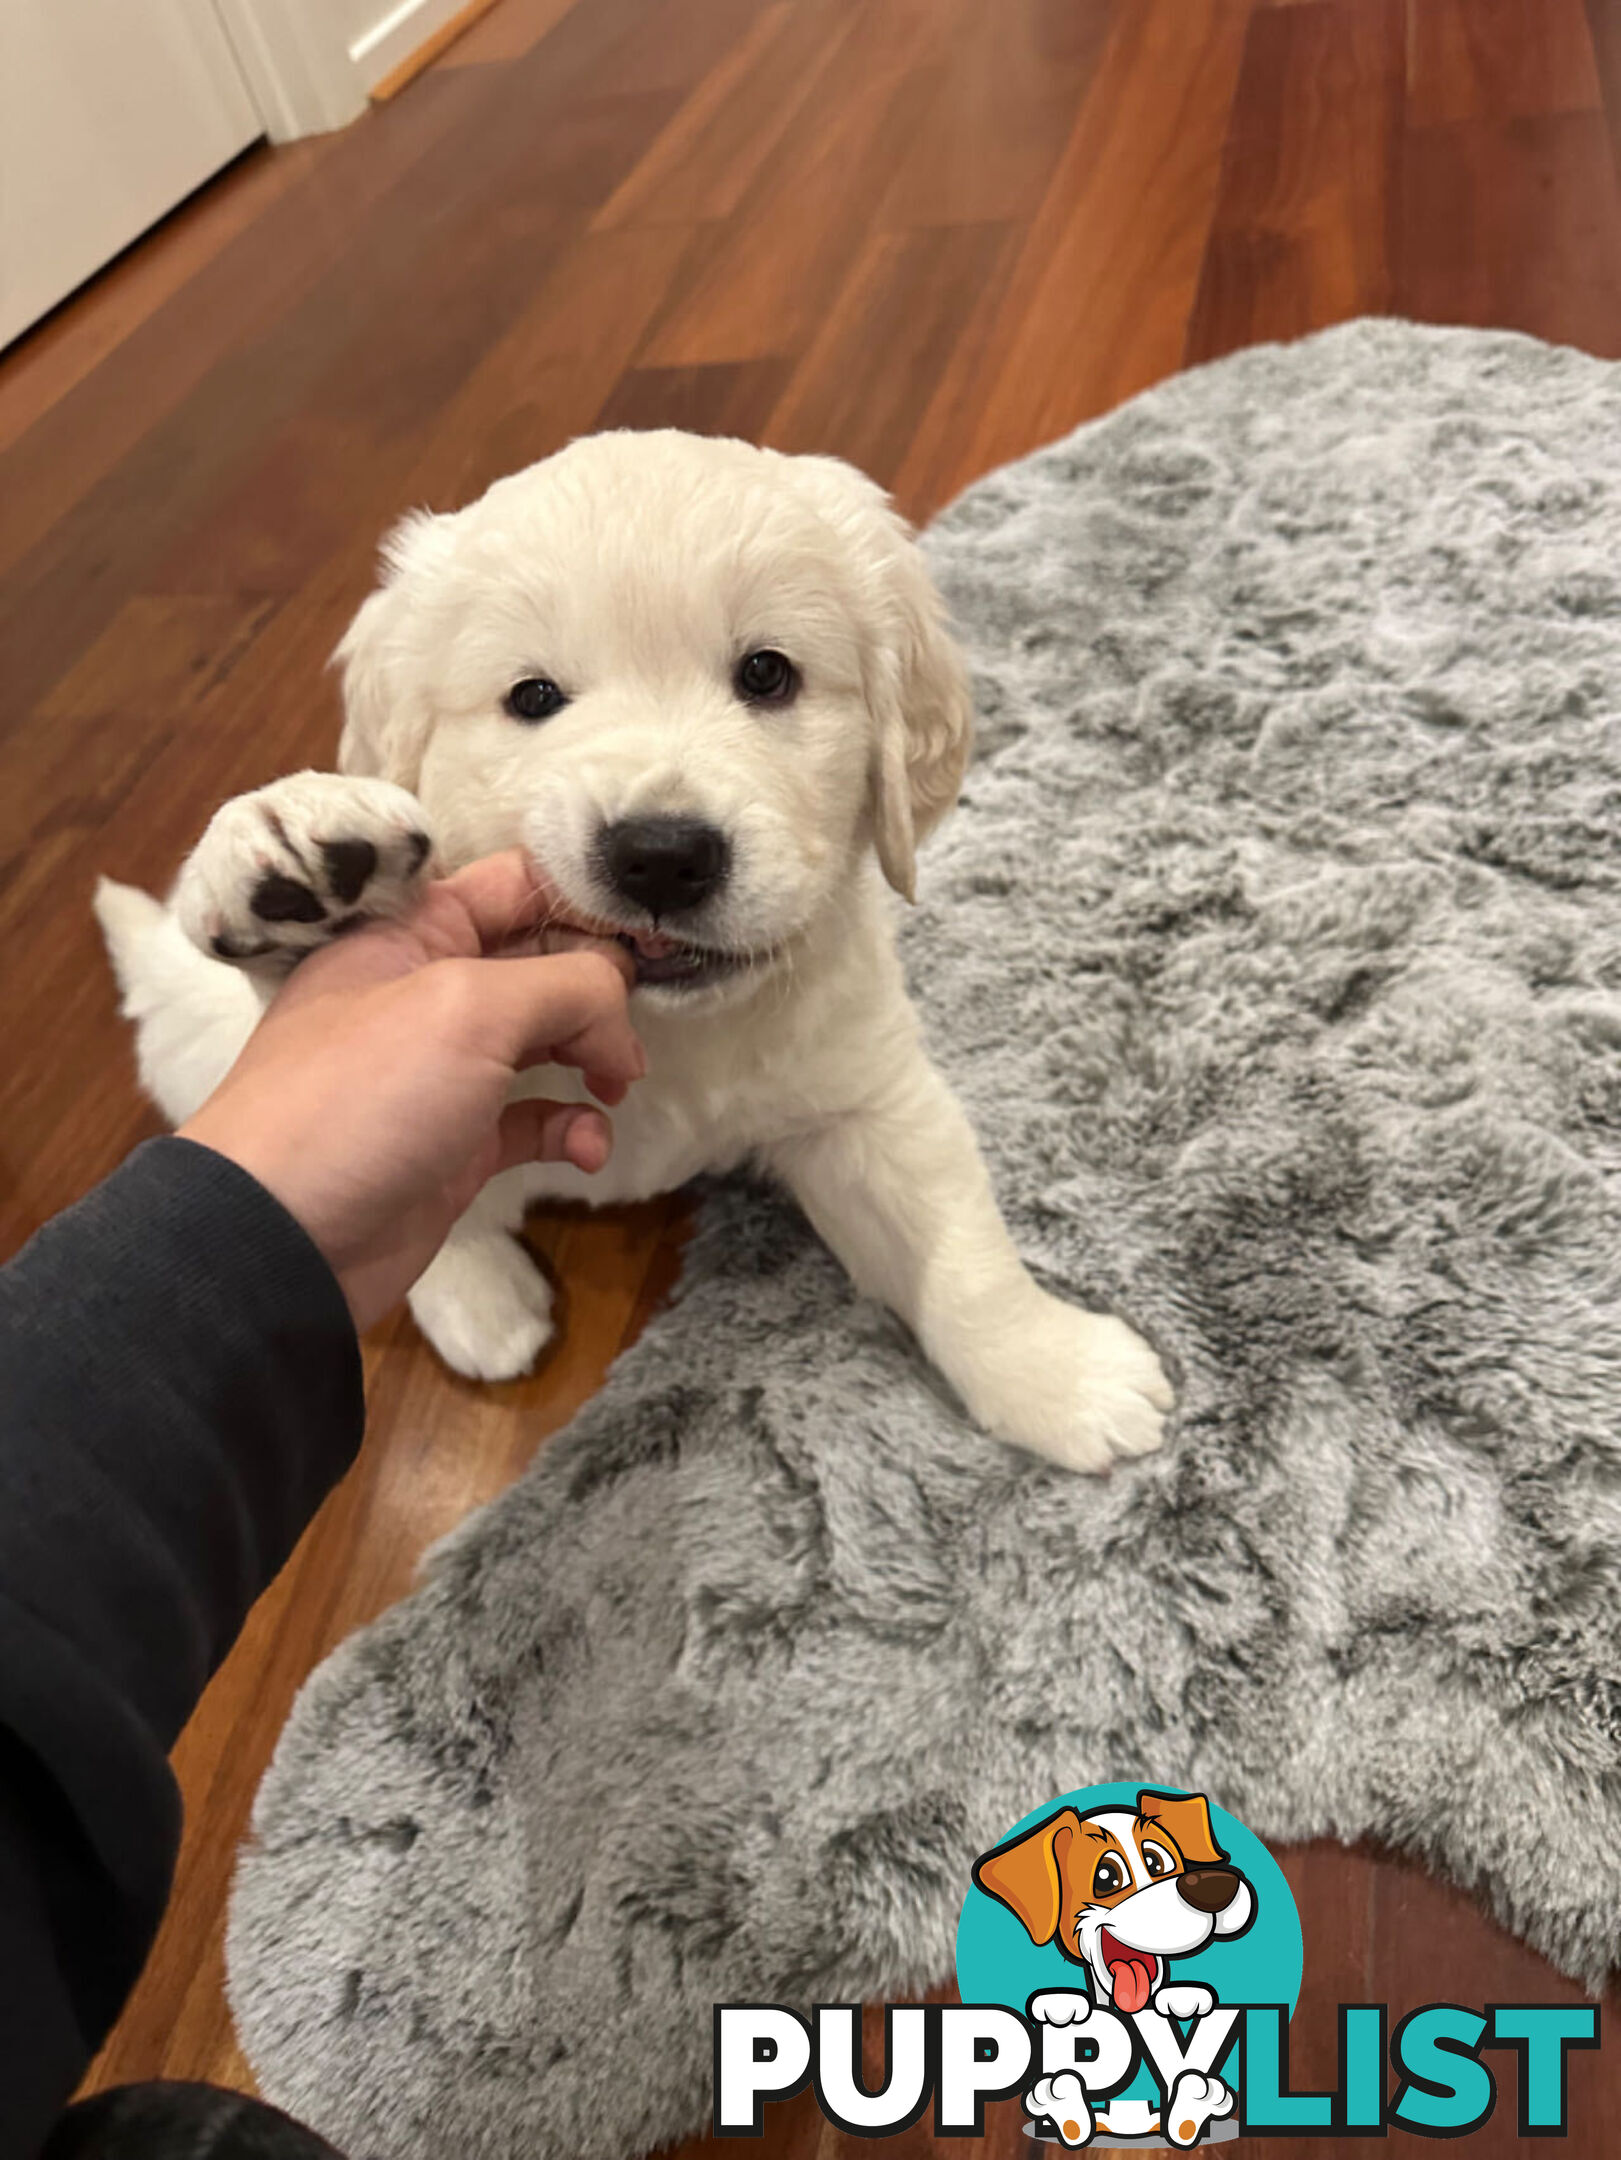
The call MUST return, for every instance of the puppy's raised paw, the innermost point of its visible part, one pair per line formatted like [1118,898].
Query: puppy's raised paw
[294,865]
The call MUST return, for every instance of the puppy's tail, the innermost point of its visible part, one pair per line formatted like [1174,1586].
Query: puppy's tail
[129,920]
[192,1014]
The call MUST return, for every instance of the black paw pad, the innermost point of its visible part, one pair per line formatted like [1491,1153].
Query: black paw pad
[349,863]
[229,949]
[283,899]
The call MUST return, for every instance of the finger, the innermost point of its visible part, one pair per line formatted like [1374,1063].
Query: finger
[541,1131]
[501,902]
[569,1009]
[504,895]
[605,1090]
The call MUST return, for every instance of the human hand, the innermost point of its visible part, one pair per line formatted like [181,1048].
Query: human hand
[371,1099]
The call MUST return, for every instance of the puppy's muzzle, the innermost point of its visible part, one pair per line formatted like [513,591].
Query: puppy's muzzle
[1208,1890]
[667,865]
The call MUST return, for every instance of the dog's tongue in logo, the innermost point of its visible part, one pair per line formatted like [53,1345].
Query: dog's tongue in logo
[1131,1971]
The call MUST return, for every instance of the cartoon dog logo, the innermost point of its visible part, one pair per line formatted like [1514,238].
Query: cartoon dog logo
[1121,1892]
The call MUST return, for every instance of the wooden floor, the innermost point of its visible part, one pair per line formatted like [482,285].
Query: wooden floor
[924,234]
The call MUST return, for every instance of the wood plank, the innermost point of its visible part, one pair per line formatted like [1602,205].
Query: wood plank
[716,147]
[735,400]
[1514,224]
[55,356]
[1604,29]
[1011,80]
[861,388]
[1493,59]
[1302,234]
[938,463]
[161,653]
[355,441]
[161,658]
[764,288]
[546,381]
[1098,306]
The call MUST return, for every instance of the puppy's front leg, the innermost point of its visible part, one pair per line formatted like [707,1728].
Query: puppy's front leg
[898,1190]
[482,1302]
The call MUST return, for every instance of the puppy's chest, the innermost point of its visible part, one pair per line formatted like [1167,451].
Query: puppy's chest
[673,1126]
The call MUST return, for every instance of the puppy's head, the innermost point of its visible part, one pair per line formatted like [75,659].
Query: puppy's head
[694,679]
[1121,1890]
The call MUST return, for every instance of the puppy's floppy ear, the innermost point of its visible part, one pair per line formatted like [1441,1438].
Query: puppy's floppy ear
[1026,1875]
[1188,1822]
[917,686]
[387,712]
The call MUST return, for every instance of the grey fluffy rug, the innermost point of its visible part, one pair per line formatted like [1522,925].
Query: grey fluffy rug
[1277,951]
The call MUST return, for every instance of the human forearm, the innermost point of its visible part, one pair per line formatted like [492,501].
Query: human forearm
[179,1387]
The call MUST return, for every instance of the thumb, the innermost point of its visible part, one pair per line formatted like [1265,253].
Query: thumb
[541,1131]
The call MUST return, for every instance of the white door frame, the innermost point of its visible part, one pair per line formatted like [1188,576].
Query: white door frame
[297,66]
[304,75]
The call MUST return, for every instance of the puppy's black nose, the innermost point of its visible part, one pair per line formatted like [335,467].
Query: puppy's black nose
[1209,1890]
[664,864]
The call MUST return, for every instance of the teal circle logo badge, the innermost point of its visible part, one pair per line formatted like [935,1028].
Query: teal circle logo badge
[1132,1926]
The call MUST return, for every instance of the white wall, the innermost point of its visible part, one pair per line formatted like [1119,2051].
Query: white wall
[109,116]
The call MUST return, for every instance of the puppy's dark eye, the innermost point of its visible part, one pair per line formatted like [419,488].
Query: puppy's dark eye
[535,698]
[1108,1877]
[766,678]
[1157,1861]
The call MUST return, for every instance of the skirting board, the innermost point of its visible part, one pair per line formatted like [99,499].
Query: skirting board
[408,38]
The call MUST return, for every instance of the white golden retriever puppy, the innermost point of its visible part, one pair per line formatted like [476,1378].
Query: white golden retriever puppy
[710,690]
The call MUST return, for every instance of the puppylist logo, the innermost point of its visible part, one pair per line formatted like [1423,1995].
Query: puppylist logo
[1129,1960]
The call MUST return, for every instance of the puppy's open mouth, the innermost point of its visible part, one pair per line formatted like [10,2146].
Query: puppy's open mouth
[661,962]
[1133,1972]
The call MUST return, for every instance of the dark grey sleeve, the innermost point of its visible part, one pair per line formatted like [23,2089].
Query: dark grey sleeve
[179,1388]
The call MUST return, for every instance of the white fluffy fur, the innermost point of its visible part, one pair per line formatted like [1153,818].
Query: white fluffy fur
[635,570]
